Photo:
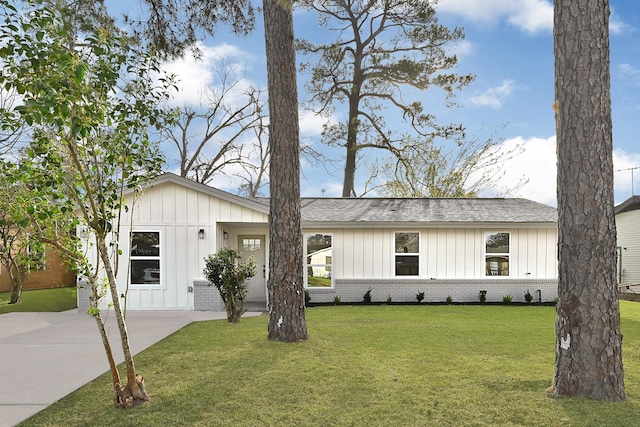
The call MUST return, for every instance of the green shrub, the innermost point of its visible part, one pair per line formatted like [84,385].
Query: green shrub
[307,297]
[367,297]
[228,272]
[389,300]
[507,299]
[449,299]
[482,296]
[336,300]
[420,296]
[528,297]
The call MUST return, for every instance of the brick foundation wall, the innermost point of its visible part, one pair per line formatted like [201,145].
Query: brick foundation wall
[206,297]
[84,292]
[437,290]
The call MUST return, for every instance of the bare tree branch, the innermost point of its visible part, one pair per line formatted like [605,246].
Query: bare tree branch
[212,137]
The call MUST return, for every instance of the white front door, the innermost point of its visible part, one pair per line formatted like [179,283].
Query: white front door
[253,246]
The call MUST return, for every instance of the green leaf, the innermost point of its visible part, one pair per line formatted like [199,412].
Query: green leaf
[64,109]
[79,75]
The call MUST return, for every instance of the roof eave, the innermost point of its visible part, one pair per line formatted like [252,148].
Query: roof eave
[206,189]
[427,224]
[631,204]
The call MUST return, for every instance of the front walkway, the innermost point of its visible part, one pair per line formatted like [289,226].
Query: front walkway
[45,356]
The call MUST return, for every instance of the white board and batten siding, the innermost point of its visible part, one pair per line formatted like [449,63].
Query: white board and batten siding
[178,213]
[444,253]
[362,249]
[628,228]
[451,263]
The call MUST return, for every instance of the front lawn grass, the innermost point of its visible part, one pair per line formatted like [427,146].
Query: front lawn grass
[445,365]
[56,299]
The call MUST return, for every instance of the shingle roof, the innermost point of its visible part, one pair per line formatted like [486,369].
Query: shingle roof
[498,210]
[631,204]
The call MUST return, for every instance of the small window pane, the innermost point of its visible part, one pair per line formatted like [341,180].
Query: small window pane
[250,245]
[407,243]
[319,258]
[497,243]
[497,265]
[145,244]
[145,272]
[319,249]
[317,242]
[407,265]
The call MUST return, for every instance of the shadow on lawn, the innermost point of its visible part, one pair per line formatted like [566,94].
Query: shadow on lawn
[587,413]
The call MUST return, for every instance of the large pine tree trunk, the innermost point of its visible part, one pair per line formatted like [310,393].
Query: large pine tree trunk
[348,184]
[287,320]
[588,348]
[351,156]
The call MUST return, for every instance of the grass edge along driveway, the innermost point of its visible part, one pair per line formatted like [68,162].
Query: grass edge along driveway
[41,300]
[363,366]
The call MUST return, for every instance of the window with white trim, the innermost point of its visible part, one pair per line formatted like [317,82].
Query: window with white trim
[497,253]
[407,254]
[319,260]
[145,258]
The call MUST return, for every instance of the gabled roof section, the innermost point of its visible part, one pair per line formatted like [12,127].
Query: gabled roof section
[631,204]
[211,191]
[393,210]
[444,210]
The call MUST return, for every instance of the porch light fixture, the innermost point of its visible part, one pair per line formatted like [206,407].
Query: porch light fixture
[201,233]
[225,235]
[84,233]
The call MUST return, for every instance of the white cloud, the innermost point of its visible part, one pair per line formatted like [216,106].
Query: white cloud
[311,123]
[537,164]
[623,166]
[494,97]
[531,16]
[193,75]
[629,72]
[463,49]
[617,25]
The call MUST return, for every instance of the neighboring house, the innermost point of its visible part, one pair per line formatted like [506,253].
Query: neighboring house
[628,229]
[54,273]
[396,247]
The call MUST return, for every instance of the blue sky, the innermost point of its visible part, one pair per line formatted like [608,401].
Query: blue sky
[509,48]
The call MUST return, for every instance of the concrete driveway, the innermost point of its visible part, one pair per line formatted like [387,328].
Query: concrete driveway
[45,356]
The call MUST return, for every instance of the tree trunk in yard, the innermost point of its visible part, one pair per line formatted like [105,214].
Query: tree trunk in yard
[17,279]
[133,392]
[16,290]
[287,320]
[588,341]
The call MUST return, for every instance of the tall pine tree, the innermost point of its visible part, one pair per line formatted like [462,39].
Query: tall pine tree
[588,348]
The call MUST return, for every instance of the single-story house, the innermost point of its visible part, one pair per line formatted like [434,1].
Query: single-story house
[397,247]
[628,232]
